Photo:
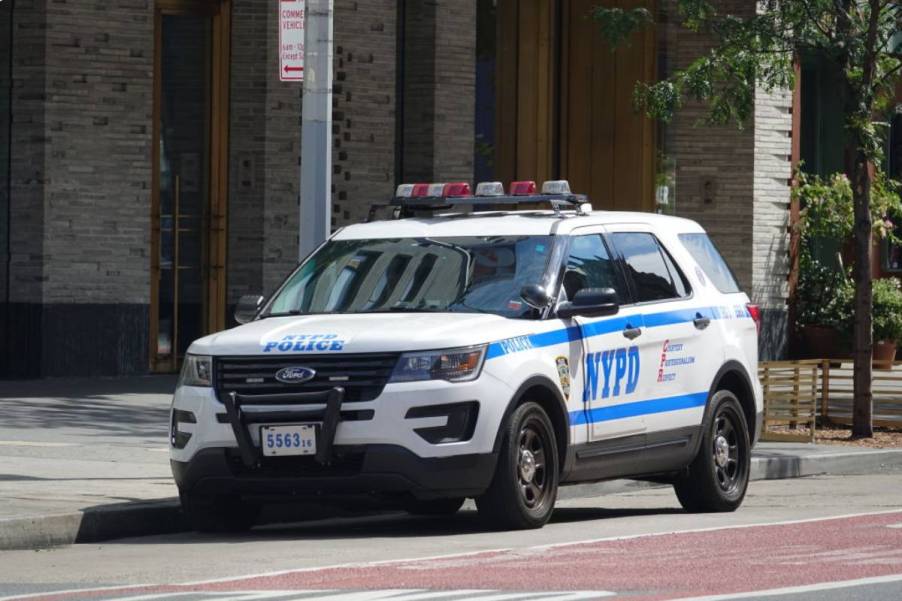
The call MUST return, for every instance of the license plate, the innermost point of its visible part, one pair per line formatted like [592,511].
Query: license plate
[288,440]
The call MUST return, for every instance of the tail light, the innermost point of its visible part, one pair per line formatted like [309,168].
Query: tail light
[755,313]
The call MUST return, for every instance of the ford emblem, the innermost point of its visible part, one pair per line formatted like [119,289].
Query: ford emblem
[295,375]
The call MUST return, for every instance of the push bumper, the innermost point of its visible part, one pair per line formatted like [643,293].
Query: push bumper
[367,470]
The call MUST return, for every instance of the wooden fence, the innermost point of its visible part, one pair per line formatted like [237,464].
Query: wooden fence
[791,395]
[797,392]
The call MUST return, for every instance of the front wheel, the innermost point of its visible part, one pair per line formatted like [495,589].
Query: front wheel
[524,487]
[719,476]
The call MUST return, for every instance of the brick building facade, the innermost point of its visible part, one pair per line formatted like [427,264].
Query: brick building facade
[81,105]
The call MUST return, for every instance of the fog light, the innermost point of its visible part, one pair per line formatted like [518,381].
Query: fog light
[459,427]
[178,436]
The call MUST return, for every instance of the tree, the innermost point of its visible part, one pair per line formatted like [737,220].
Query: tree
[857,36]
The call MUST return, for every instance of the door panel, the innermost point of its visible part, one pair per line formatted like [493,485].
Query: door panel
[679,357]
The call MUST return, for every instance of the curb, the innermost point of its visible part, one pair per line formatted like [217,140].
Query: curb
[165,516]
[92,525]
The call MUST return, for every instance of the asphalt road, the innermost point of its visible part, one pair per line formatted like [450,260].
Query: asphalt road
[829,537]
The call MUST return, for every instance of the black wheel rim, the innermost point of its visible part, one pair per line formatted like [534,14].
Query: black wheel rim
[533,473]
[728,452]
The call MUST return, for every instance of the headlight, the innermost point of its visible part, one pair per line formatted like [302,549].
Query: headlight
[453,365]
[197,370]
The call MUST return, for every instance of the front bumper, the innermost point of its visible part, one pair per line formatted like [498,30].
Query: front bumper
[366,470]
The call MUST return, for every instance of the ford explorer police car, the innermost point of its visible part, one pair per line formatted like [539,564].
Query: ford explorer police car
[464,351]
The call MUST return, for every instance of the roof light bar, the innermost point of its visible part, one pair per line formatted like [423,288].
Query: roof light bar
[560,186]
[524,188]
[436,190]
[456,190]
[420,190]
[490,189]
[404,191]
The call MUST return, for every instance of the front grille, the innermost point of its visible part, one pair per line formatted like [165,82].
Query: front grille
[366,374]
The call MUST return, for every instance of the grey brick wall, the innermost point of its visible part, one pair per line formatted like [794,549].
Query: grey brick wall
[439,91]
[5,89]
[28,171]
[735,183]
[247,159]
[770,238]
[364,107]
[98,111]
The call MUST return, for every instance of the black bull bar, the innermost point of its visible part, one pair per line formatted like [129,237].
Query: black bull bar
[325,438]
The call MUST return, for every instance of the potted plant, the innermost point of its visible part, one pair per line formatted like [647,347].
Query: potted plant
[824,294]
[887,320]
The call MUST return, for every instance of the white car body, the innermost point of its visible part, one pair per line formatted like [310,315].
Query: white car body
[625,407]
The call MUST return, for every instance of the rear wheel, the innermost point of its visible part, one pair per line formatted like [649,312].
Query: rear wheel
[218,513]
[524,489]
[718,477]
[435,507]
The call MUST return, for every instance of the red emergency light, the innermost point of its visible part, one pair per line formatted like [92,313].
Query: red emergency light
[524,188]
[456,190]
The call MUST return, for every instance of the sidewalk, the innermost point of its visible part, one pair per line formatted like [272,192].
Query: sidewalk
[86,460]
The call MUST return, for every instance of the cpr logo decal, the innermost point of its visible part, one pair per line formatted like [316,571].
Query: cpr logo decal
[617,370]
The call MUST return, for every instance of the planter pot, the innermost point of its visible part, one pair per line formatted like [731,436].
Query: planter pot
[823,342]
[884,354]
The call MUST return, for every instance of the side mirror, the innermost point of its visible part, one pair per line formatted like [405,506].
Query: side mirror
[590,302]
[248,307]
[535,296]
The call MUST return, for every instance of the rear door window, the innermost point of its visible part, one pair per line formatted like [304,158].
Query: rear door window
[712,263]
[654,274]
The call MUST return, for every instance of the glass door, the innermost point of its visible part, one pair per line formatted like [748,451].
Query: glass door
[188,195]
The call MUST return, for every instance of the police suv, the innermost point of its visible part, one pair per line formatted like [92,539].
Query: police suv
[463,350]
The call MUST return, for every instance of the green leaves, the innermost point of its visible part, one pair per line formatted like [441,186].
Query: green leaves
[617,24]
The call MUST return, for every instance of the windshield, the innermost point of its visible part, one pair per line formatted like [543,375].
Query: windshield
[472,274]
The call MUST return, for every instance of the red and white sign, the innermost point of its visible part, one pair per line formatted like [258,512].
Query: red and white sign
[291,40]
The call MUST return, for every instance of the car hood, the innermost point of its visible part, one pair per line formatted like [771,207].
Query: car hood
[360,333]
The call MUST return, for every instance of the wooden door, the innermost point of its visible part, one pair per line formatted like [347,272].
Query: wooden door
[565,102]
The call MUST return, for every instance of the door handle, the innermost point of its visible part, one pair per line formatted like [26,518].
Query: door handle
[632,333]
[701,322]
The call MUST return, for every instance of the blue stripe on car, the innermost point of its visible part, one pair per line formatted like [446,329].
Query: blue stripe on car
[604,414]
[604,326]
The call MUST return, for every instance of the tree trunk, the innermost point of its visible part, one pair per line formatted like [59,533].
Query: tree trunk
[863,339]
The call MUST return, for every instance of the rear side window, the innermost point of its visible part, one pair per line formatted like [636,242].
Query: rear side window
[706,255]
[654,274]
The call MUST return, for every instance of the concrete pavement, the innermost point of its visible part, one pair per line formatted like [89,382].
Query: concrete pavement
[86,460]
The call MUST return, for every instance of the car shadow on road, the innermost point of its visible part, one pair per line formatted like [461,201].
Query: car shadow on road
[388,525]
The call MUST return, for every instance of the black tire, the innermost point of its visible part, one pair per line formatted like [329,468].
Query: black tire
[524,487]
[218,513]
[718,477]
[434,507]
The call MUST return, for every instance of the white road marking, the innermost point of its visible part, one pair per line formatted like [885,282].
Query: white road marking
[424,595]
[793,590]
[383,562]
[356,596]
[254,596]
[578,596]
[29,443]
[151,597]
[899,525]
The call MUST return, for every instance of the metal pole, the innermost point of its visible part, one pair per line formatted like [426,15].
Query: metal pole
[316,135]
